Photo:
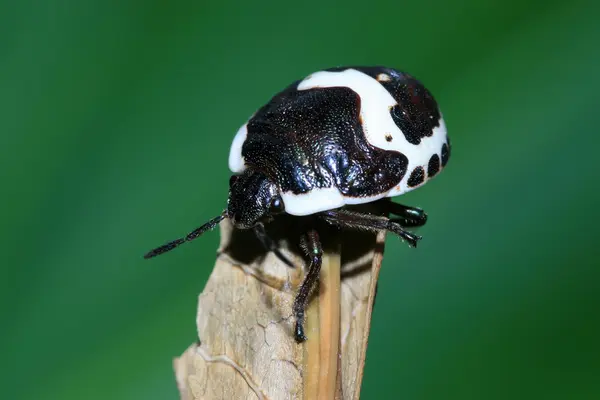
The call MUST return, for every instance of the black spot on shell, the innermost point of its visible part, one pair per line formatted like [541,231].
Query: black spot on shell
[388,137]
[434,166]
[445,154]
[416,177]
[416,113]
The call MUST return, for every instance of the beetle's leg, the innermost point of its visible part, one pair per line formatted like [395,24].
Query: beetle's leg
[270,245]
[367,222]
[314,251]
[409,216]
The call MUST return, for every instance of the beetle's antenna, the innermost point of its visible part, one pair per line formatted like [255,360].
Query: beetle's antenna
[189,237]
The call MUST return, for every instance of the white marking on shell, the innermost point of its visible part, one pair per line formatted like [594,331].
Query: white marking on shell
[377,122]
[384,77]
[427,148]
[323,199]
[315,201]
[236,161]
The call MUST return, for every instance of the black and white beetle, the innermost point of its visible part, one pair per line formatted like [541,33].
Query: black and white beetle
[339,137]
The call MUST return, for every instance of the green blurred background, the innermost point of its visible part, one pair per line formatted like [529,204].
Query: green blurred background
[116,119]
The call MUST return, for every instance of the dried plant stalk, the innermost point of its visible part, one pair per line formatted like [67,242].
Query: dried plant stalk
[245,322]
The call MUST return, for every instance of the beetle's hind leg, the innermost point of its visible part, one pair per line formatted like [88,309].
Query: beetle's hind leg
[408,216]
[368,222]
[311,244]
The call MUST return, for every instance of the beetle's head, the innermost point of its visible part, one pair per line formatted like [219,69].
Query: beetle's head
[253,198]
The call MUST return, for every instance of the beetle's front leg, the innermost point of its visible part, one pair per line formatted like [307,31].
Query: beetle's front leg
[311,244]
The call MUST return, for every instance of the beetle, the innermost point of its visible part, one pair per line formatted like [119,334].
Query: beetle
[339,137]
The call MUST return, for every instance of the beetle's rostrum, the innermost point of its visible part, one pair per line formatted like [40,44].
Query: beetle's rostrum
[339,137]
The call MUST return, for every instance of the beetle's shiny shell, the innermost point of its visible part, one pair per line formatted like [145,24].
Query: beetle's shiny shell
[343,136]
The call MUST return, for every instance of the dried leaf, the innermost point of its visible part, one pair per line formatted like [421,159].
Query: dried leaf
[245,322]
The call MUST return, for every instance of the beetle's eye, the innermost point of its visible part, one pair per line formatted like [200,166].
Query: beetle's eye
[277,206]
[232,180]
